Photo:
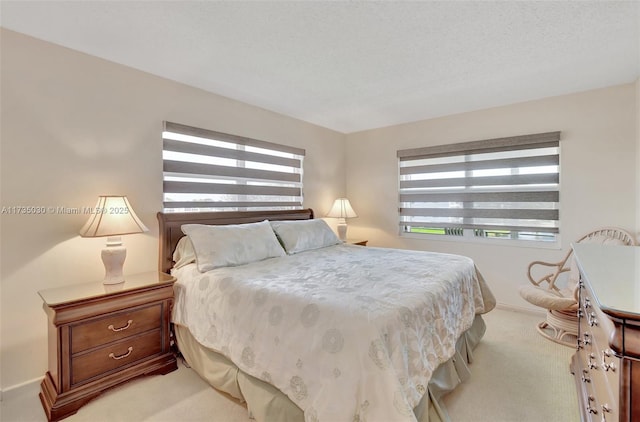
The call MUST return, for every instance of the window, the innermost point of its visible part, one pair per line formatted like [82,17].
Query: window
[211,171]
[497,188]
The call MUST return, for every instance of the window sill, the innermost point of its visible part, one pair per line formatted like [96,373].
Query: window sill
[485,241]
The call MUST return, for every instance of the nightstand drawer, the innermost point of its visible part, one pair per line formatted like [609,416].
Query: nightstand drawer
[115,355]
[114,327]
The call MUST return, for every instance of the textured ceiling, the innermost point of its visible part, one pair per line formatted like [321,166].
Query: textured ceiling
[351,66]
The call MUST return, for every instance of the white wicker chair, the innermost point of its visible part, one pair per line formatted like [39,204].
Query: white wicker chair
[561,303]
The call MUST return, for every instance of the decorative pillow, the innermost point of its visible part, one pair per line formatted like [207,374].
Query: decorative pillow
[232,245]
[304,235]
[184,253]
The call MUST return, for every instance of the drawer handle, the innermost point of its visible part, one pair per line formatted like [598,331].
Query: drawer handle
[585,342]
[112,356]
[607,366]
[115,330]
[591,364]
[589,408]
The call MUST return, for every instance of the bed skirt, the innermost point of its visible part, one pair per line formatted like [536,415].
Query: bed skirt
[267,403]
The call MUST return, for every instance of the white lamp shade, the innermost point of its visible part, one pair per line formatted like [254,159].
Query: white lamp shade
[342,209]
[112,216]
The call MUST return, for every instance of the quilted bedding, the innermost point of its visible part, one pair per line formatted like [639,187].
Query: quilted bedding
[346,332]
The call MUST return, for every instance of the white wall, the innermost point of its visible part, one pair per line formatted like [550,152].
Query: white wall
[598,177]
[638,157]
[75,126]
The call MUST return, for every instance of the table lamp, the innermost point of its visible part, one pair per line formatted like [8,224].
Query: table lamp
[342,209]
[113,217]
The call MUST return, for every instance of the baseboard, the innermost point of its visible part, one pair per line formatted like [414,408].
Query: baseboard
[521,309]
[27,387]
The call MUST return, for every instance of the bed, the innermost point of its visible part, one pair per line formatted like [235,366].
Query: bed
[329,333]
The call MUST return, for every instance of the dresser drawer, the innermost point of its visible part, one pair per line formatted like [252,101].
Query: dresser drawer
[116,355]
[114,327]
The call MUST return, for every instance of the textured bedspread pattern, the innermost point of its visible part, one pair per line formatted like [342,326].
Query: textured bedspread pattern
[347,333]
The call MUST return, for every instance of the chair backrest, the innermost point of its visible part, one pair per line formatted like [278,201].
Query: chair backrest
[608,235]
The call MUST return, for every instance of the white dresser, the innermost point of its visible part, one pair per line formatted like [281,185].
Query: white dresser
[606,365]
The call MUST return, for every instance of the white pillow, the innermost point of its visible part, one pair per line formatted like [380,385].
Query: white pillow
[184,253]
[304,235]
[232,245]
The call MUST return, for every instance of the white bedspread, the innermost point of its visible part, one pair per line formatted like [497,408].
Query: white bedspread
[348,333]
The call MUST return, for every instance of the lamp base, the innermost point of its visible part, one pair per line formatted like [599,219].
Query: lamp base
[342,231]
[113,259]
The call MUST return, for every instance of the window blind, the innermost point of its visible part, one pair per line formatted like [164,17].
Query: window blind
[205,170]
[506,187]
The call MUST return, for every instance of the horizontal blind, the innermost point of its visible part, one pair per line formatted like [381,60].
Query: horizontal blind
[204,170]
[506,184]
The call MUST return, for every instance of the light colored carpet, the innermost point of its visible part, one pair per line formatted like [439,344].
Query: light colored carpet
[516,376]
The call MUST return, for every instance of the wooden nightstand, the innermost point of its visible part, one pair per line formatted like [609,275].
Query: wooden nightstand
[103,335]
[357,242]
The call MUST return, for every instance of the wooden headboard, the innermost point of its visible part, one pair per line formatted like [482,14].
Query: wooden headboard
[170,224]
